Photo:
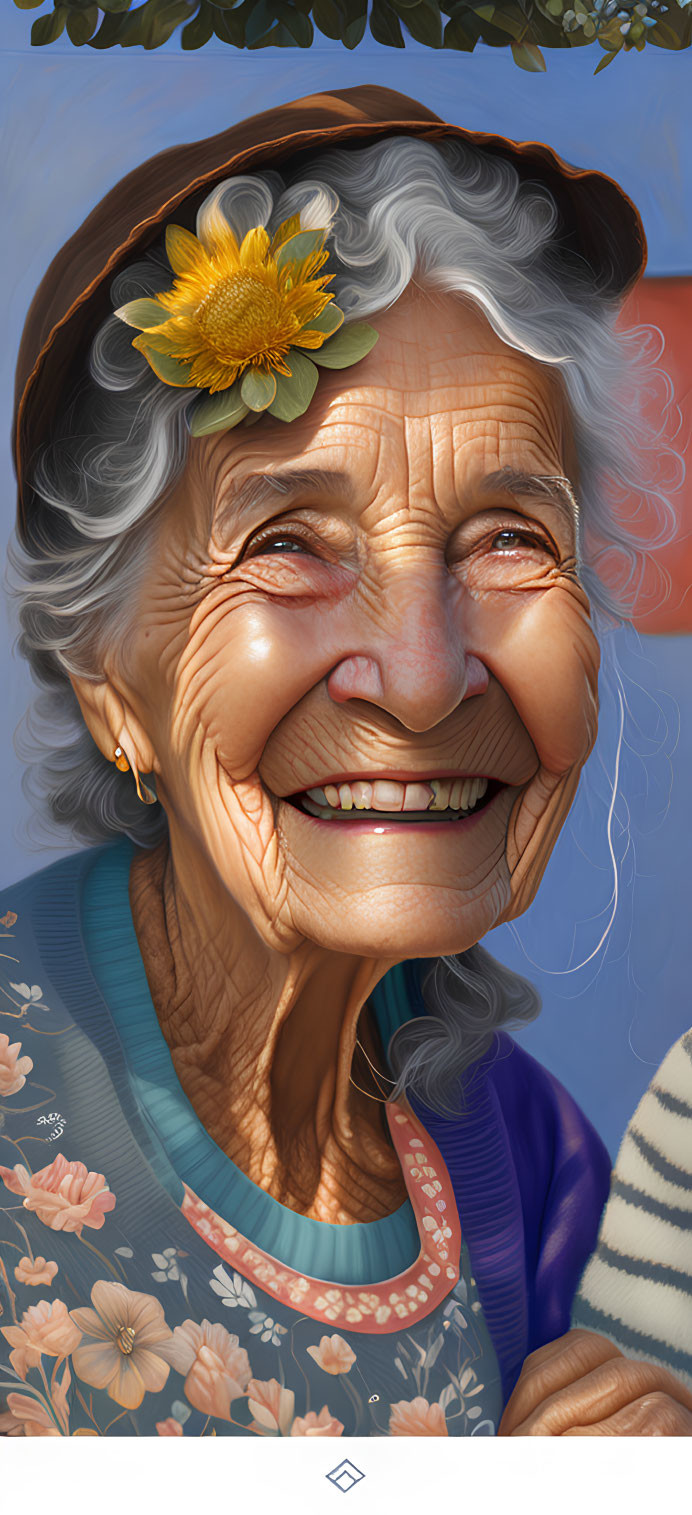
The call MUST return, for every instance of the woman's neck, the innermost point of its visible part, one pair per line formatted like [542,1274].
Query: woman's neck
[264,1043]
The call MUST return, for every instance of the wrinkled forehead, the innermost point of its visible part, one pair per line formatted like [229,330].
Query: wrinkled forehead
[439,404]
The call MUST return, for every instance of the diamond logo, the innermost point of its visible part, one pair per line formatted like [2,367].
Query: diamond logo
[345,1476]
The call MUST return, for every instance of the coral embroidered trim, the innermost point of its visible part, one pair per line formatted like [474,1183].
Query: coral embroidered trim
[381,1307]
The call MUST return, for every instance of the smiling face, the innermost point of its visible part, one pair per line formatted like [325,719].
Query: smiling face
[379,595]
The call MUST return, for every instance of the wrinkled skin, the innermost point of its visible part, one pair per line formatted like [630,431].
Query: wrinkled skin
[581,1385]
[407,613]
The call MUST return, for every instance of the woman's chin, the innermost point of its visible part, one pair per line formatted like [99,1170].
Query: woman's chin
[402,922]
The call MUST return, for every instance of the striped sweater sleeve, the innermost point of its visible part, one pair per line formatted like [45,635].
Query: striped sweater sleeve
[637,1286]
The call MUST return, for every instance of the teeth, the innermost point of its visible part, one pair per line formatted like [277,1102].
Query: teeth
[417,796]
[392,797]
[440,789]
[387,795]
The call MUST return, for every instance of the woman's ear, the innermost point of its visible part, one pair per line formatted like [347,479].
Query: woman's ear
[112,723]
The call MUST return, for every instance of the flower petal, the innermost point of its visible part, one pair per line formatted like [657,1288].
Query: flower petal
[184,251]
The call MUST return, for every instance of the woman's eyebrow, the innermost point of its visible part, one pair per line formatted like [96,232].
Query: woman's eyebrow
[555,489]
[260,489]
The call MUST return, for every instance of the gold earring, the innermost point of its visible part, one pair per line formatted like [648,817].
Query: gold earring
[144,793]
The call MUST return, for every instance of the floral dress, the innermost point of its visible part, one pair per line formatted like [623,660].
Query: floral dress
[132,1306]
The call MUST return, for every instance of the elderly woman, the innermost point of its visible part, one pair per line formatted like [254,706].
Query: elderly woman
[311,421]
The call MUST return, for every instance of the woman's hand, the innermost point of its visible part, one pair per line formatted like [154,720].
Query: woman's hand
[581,1385]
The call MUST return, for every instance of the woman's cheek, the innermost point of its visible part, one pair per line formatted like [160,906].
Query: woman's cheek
[255,662]
[542,650]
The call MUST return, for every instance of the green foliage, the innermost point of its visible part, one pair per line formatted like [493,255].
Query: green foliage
[525,26]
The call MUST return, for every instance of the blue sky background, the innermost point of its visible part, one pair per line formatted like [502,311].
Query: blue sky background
[73,122]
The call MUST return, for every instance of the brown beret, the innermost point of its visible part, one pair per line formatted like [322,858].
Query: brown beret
[598,224]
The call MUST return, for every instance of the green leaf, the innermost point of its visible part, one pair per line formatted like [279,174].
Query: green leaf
[604,62]
[49,28]
[115,7]
[528,56]
[458,37]
[142,314]
[328,19]
[293,395]
[299,247]
[258,389]
[29,5]
[81,25]
[424,23]
[384,25]
[229,27]
[349,345]
[218,412]
[296,23]
[329,321]
[198,31]
[355,31]
[170,370]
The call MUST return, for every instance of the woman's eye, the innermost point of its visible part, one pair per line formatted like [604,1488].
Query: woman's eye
[277,544]
[509,541]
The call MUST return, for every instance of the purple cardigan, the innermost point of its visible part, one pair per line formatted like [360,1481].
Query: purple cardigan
[531,1177]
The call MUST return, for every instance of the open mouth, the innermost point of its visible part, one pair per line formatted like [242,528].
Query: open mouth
[387,800]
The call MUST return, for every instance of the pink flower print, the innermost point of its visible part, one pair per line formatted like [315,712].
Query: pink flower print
[417,1418]
[216,1367]
[45,1327]
[271,1404]
[65,1196]
[124,1344]
[324,1424]
[13,1068]
[35,1270]
[169,1427]
[333,1355]
[27,1416]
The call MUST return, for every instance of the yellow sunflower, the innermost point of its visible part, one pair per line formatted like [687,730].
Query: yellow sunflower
[238,315]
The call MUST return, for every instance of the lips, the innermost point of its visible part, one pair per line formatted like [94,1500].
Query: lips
[421,800]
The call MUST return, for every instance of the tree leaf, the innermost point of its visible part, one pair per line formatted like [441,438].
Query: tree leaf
[258,389]
[31,5]
[218,412]
[328,19]
[384,25]
[293,395]
[608,58]
[81,25]
[198,31]
[48,28]
[424,22]
[350,344]
[529,57]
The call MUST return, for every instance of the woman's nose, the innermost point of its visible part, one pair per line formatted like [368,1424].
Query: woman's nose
[414,664]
